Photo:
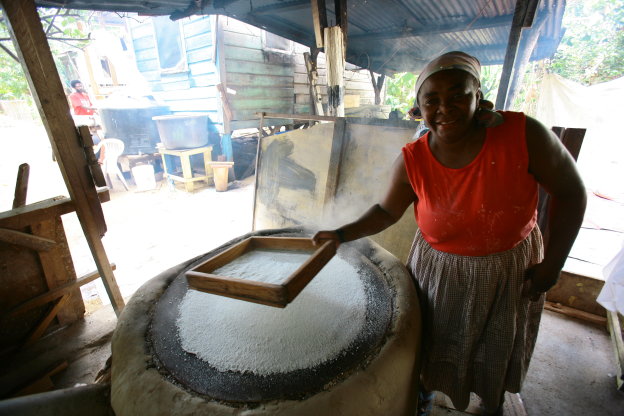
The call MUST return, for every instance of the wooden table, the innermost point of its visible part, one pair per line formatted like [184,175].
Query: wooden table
[187,177]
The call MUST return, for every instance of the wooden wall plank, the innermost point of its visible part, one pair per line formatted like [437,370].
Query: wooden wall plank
[196,26]
[145,54]
[148,65]
[200,41]
[59,269]
[144,43]
[260,104]
[203,54]
[242,39]
[246,92]
[243,67]
[204,80]
[260,80]
[201,68]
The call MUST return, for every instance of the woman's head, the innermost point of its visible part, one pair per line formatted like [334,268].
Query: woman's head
[448,94]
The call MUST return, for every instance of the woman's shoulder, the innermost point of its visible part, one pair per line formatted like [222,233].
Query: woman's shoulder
[512,117]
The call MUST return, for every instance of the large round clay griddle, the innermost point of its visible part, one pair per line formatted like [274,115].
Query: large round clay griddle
[385,382]
[197,375]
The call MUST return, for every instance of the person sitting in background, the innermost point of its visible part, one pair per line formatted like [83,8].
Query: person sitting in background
[478,258]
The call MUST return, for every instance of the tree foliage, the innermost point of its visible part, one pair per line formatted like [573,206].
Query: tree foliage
[592,49]
[63,25]
[400,94]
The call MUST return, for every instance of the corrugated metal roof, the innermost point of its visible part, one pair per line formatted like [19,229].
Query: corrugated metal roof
[383,35]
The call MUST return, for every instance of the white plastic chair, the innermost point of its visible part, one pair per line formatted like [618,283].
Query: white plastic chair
[113,148]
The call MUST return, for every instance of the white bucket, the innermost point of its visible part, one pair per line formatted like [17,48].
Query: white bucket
[144,177]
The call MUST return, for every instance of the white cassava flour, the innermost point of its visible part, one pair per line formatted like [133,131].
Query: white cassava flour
[234,335]
[281,265]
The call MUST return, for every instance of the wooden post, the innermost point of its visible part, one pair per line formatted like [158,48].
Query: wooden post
[527,45]
[226,111]
[34,52]
[319,19]
[315,91]
[523,17]
[21,185]
[335,53]
[335,162]
[377,85]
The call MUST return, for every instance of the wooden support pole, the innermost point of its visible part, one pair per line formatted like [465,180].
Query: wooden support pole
[335,55]
[523,17]
[319,19]
[30,42]
[377,85]
[94,166]
[527,45]
[315,91]
[21,185]
[335,163]
[340,10]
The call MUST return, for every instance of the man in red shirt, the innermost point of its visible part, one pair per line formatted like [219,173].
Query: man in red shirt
[80,101]
[85,113]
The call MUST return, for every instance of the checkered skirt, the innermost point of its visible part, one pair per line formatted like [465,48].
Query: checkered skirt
[479,332]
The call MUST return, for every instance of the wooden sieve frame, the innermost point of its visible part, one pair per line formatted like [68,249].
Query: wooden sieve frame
[271,294]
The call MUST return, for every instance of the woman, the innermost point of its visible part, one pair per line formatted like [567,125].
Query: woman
[478,257]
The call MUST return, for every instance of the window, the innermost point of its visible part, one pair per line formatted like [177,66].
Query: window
[170,45]
[276,43]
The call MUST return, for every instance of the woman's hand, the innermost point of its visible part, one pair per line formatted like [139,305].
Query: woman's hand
[538,279]
[322,237]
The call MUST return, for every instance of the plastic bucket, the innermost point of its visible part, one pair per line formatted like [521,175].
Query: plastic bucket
[144,177]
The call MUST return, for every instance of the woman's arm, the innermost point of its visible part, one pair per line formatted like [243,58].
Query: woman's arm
[381,215]
[555,170]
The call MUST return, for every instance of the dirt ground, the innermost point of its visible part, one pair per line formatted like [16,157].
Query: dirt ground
[148,231]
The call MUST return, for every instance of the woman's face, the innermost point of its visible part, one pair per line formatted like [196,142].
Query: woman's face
[448,101]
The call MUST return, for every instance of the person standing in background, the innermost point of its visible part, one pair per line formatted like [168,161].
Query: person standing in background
[80,101]
[85,114]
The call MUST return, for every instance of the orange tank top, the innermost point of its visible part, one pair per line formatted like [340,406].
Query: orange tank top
[488,206]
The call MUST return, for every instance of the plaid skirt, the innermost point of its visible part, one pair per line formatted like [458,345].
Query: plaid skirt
[478,331]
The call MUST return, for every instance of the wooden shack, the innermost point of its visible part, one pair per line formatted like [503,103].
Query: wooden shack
[257,71]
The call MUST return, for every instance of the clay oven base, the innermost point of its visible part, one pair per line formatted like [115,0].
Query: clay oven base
[384,383]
